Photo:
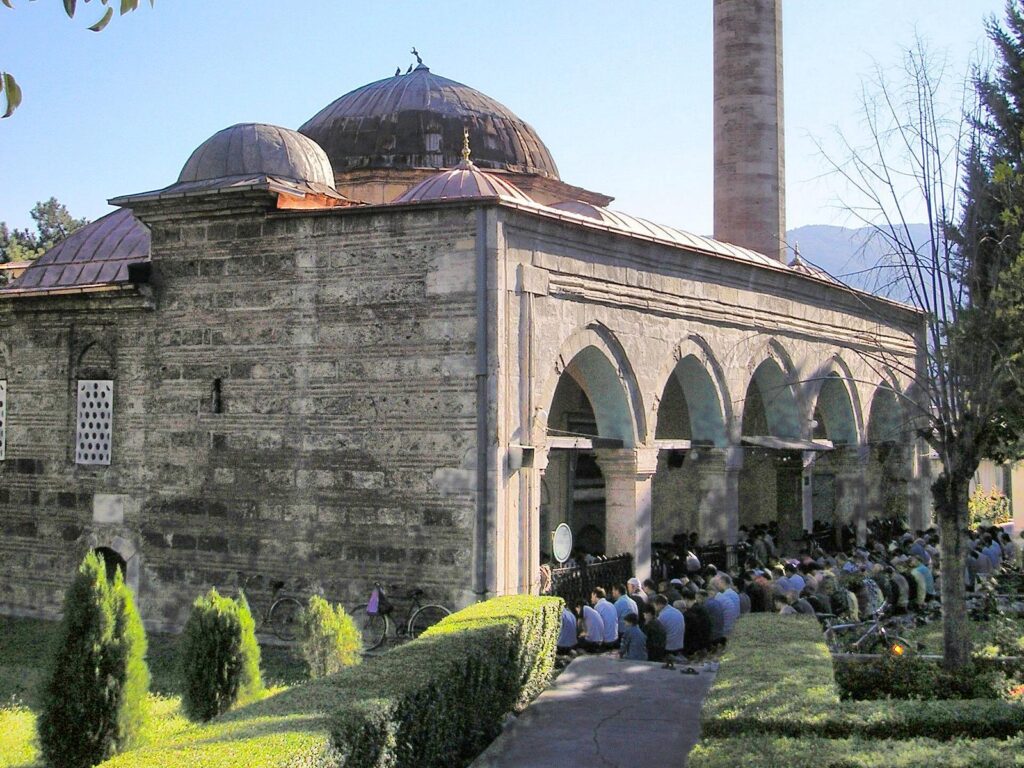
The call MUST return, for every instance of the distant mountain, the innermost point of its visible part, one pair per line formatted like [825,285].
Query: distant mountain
[850,255]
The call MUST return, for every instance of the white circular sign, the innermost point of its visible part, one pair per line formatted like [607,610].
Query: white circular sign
[561,542]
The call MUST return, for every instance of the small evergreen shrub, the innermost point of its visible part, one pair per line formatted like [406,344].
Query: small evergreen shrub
[220,658]
[330,640]
[94,701]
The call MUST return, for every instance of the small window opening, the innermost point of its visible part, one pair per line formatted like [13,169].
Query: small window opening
[218,403]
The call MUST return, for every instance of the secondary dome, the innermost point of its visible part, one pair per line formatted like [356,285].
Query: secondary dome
[416,121]
[462,181]
[257,149]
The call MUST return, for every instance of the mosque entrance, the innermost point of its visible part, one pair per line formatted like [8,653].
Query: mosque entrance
[573,482]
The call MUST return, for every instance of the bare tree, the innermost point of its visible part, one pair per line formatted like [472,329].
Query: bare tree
[916,165]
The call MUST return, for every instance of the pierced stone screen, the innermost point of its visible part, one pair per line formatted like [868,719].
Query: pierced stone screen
[95,415]
[3,419]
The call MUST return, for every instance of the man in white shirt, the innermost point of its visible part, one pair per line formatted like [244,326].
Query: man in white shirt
[591,628]
[608,615]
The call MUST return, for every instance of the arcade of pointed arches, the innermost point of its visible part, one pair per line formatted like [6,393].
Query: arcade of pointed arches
[803,447]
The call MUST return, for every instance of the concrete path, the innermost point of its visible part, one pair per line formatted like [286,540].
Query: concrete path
[606,713]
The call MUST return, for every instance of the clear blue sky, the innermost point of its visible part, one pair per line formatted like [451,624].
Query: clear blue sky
[619,91]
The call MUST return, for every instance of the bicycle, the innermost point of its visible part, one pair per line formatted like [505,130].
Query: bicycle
[373,623]
[283,614]
[876,636]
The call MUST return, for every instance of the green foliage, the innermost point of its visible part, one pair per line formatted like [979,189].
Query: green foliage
[93,702]
[910,677]
[330,639]
[988,508]
[776,752]
[220,657]
[53,224]
[436,701]
[10,90]
[775,702]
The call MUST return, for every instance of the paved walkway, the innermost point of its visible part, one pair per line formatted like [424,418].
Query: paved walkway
[606,713]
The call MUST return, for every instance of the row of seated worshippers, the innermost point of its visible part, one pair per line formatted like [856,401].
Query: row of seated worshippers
[694,614]
[653,622]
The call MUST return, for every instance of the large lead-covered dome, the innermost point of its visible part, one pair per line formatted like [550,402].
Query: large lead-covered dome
[416,121]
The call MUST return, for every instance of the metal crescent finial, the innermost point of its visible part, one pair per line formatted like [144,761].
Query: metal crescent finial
[416,53]
[465,145]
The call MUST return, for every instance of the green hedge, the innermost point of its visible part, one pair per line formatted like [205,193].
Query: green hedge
[781,752]
[437,701]
[784,686]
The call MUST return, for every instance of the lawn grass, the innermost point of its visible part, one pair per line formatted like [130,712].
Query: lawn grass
[25,650]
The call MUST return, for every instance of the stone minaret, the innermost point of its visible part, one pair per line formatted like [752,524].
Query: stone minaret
[750,179]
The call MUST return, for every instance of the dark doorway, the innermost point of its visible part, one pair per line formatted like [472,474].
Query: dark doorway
[113,562]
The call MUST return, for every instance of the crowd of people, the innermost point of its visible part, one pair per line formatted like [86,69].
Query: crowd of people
[692,607]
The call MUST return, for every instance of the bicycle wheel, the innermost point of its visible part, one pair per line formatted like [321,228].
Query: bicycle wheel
[426,617]
[373,627]
[284,617]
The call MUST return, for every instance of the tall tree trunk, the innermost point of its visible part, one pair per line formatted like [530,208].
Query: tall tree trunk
[951,493]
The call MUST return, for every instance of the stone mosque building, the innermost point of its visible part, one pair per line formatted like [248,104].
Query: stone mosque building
[357,352]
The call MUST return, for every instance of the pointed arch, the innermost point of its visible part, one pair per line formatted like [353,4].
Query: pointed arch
[835,403]
[595,360]
[694,374]
[770,405]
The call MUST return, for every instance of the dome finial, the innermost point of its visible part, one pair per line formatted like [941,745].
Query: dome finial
[465,144]
[416,53]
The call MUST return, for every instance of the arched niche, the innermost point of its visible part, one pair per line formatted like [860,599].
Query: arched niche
[690,406]
[770,406]
[834,415]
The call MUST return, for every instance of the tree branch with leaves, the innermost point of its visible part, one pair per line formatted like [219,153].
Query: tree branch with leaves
[10,91]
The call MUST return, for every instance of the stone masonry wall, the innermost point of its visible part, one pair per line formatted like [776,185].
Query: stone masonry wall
[342,346]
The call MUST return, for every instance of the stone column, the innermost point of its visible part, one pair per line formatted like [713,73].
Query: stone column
[851,476]
[529,577]
[627,497]
[719,507]
[807,489]
[919,489]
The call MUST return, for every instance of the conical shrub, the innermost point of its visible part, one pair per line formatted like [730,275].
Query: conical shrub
[94,700]
[220,658]
[330,639]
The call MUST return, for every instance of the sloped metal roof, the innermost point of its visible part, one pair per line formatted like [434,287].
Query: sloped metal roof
[638,226]
[97,254]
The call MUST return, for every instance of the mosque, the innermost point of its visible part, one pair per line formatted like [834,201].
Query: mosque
[395,345]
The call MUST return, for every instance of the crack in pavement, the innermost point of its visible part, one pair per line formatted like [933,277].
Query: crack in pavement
[597,728]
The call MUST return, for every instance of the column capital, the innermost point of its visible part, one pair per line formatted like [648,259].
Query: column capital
[640,462]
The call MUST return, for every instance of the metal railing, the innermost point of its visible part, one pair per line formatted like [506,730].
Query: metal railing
[576,583]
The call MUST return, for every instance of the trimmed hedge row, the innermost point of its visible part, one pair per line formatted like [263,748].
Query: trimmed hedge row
[786,688]
[776,752]
[437,701]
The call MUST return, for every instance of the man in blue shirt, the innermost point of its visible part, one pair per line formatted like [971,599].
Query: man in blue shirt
[609,617]
[672,620]
[567,636]
[590,628]
[624,606]
[634,641]
[729,600]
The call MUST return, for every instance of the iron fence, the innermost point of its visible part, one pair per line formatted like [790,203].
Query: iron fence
[577,582]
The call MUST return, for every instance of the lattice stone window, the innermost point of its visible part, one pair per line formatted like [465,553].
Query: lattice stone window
[3,419]
[95,417]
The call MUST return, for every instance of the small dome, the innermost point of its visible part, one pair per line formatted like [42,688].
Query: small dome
[463,181]
[257,149]
[416,121]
